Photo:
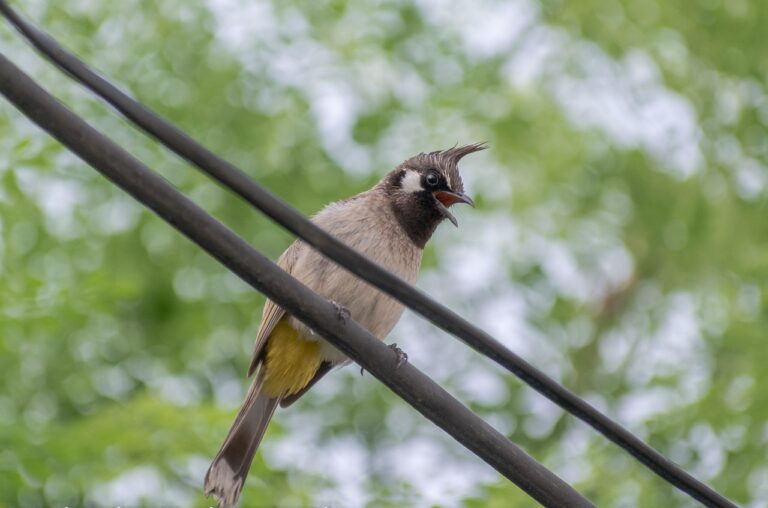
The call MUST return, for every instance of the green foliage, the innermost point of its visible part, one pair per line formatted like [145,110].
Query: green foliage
[619,245]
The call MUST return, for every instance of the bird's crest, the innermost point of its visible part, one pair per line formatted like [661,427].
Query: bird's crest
[446,160]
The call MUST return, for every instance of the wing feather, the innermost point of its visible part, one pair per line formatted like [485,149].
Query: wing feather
[272,313]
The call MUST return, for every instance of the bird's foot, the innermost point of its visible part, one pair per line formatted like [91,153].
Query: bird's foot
[362,371]
[342,312]
[402,358]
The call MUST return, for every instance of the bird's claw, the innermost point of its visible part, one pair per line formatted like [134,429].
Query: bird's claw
[342,312]
[402,358]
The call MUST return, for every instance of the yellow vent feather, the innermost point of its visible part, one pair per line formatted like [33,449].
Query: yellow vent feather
[291,361]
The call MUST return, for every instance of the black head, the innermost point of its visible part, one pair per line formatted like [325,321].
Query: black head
[422,188]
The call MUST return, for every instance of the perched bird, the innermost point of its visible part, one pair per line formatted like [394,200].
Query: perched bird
[390,224]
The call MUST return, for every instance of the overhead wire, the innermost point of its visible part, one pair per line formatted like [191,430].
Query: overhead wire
[324,317]
[280,212]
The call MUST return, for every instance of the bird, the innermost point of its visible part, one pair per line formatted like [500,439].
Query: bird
[390,224]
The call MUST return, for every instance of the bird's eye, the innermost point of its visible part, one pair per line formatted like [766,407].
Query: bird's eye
[432,179]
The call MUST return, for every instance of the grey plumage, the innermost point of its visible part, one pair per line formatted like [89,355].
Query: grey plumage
[366,224]
[390,224]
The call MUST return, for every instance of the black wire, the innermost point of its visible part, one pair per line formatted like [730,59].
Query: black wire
[233,178]
[316,312]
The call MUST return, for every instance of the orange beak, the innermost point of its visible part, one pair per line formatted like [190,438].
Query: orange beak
[451,198]
[448,198]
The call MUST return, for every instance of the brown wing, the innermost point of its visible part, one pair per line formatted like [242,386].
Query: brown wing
[272,313]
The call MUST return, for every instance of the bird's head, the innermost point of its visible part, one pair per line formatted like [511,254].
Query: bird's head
[424,187]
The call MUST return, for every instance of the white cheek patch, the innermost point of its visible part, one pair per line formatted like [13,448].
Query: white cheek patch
[411,181]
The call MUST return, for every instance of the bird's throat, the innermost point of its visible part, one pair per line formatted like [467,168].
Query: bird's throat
[418,217]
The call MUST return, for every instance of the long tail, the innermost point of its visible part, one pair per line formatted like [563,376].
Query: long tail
[226,476]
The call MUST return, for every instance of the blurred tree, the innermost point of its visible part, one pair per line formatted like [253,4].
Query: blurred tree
[618,244]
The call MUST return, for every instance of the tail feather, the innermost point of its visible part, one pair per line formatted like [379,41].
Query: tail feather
[226,476]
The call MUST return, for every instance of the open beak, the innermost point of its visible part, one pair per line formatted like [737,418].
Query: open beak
[447,198]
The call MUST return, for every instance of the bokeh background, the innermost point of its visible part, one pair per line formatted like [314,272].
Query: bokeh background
[619,244]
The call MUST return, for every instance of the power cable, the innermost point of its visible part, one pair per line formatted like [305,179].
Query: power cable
[235,179]
[321,315]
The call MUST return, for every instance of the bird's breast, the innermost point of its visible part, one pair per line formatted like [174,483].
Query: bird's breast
[373,309]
